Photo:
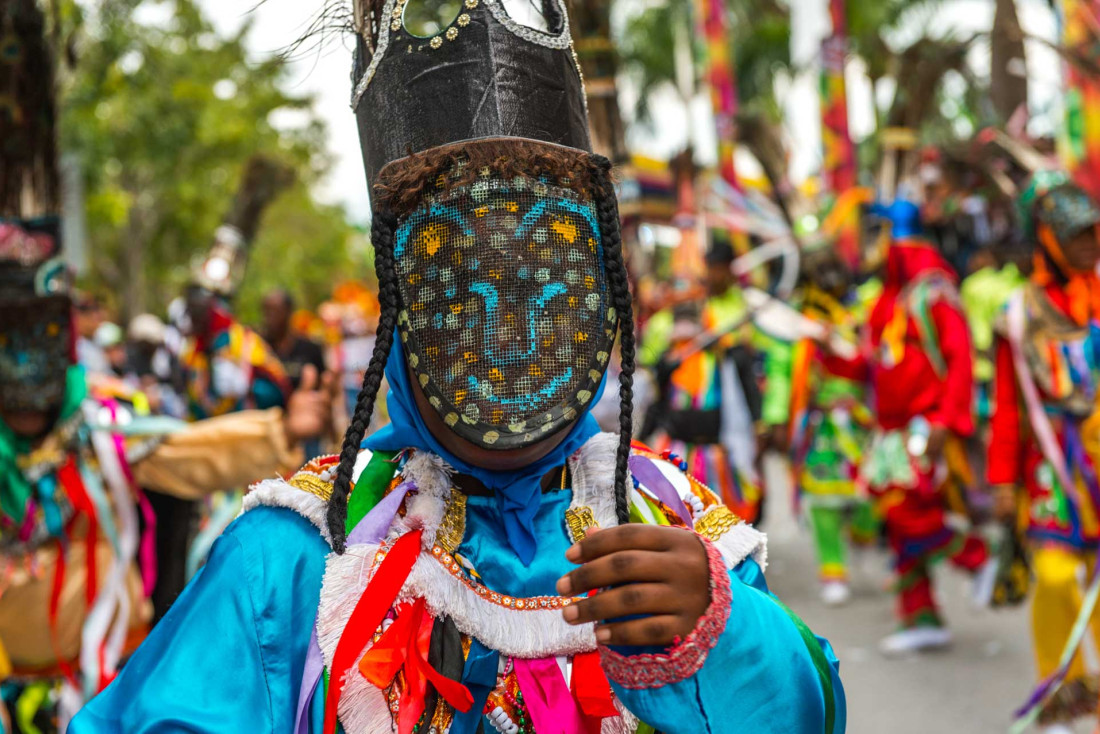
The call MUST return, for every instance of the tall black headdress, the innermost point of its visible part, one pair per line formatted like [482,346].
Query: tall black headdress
[496,230]
[36,335]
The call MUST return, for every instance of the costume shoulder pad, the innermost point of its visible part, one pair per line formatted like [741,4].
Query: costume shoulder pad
[306,492]
[666,494]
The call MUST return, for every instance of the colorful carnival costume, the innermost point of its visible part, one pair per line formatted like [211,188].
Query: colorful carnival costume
[708,402]
[830,424]
[918,362]
[77,532]
[426,599]
[1046,384]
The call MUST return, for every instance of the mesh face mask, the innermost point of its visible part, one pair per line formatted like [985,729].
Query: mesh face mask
[36,332]
[506,315]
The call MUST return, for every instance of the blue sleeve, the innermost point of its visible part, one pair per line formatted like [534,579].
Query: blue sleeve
[229,654]
[768,673]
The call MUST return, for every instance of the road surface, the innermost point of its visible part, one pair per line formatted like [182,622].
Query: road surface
[970,689]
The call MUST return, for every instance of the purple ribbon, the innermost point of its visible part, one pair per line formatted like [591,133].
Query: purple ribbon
[654,480]
[311,677]
[376,523]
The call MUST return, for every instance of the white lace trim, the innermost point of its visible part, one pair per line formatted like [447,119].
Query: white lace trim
[277,493]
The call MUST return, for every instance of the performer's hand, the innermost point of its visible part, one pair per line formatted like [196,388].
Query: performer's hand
[309,410]
[660,573]
[1004,502]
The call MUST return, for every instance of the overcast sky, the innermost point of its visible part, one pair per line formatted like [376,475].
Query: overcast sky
[325,74]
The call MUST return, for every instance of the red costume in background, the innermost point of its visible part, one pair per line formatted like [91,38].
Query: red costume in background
[918,360]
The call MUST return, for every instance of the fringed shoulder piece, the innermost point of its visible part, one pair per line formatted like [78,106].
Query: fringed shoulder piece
[306,492]
[665,493]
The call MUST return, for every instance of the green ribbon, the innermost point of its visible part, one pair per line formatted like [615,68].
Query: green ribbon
[371,486]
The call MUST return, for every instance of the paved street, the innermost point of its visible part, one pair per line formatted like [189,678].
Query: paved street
[971,689]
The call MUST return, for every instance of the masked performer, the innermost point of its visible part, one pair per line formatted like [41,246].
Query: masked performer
[228,366]
[448,577]
[1044,389]
[829,424]
[918,360]
[77,536]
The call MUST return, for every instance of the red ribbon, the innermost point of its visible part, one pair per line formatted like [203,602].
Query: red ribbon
[369,612]
[404,646]
[71,481]
[592,690]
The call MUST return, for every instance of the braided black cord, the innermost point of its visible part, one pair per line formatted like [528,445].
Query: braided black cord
[607,209]
[388,299]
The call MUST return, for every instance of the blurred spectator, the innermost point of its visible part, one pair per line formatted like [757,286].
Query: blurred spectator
[293,349]
[88,315]
[152,366]
[108,338]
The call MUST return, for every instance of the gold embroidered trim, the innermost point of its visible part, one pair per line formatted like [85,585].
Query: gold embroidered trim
[716,522]
[312,484]
[453,527]
[579,520]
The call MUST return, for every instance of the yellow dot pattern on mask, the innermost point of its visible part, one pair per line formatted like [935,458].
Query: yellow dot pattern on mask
[505,304]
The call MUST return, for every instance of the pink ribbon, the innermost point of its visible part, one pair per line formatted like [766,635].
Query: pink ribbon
[551,705]
[147,550]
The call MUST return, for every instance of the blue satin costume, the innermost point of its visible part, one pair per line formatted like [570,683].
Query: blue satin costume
[229,655]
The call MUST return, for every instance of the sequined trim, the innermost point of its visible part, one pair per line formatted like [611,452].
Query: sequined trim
[531,603]
[579,520]
[683,660]
[312,484]
[453,527]
[715,522]
[561,40]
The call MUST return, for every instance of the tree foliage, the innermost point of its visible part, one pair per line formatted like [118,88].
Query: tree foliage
[163,115]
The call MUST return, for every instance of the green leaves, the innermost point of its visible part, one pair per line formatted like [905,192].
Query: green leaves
[163,114]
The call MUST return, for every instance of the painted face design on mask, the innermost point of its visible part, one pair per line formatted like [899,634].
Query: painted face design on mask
[506,318]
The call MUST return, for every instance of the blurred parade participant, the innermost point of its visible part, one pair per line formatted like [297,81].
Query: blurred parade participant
[88,317]
[227,365]
[77,536]
[830,422]
[460,586]
[918,361]
[708,399]
[293,349]
[1046,385]
[992,280]
[152,367]
[112,343]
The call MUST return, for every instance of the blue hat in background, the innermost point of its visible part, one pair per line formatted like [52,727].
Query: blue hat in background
[904,217]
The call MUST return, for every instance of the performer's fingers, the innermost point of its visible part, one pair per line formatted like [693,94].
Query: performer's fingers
[329,384]
[623,537]
[624,601]
[618,568]
[659,630]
